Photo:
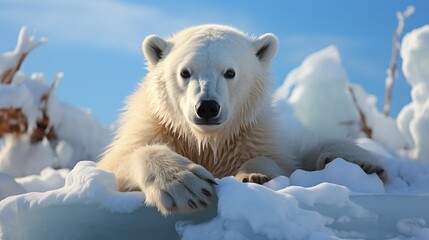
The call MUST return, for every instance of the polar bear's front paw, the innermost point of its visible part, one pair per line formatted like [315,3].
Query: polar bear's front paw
[185,188]
[369,165]
[349,151]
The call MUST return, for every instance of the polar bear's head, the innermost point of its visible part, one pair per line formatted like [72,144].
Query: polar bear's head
[213,76]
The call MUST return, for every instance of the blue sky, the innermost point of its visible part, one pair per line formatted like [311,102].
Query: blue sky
[97,43]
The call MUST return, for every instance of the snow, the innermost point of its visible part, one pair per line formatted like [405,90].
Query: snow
[413,227]
[84,184]
[278,183]
[322,81]
[48,179]
[342,173]
[25,92]
[282,209]
[268,215]
[315,208]
[338,202]
[413,120]
[9,187]
[24,44]
[384,129]
[18,156]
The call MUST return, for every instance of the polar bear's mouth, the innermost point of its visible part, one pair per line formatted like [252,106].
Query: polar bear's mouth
[207,122]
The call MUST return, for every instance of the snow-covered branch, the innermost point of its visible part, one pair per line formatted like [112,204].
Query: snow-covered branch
[11,62]
[43,127]
[362,117]
[13,120]
[391,72]
[36,129]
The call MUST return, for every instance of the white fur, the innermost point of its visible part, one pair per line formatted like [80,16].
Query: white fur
[160,149]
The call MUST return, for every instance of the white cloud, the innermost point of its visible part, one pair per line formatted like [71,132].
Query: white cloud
[108,23]
[101,23]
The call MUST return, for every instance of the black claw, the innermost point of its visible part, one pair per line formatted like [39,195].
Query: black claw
[150,179]
[206,192]
[245,180]
[192,204]
[211,181]
[173,202]
[174,205]
[265,179]
[327,160]
[204,204]
[380,171]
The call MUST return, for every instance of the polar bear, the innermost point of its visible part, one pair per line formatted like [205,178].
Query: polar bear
[203,111]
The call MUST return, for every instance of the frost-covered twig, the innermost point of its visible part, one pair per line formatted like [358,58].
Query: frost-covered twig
[11,62]
[393,64]
[13,120]
[362,117]
[43,129]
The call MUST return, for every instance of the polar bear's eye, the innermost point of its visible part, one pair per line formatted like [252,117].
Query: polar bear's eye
[185,73]
[230,73]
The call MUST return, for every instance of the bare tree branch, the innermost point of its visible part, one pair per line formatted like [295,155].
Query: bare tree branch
[391,72]
[362,117]
[7,76]
[43,129]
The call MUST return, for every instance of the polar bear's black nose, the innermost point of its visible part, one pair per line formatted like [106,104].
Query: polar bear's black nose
[207,109]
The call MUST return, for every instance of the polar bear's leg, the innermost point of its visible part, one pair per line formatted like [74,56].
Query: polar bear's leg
[259,170]
[170,181]
[328,150]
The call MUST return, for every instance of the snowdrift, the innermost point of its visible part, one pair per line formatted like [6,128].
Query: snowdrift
[308,205]
[339,202]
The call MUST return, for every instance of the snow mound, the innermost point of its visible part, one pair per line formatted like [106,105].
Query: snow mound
[250,211]
[320,81]
[413,227]
[340,201]
[413,120]
[49,179]
[340,172]
[25,93]
[322,98]
[19,155]
[85,184]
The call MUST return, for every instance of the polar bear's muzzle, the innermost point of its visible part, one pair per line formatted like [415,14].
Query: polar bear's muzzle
[207,113]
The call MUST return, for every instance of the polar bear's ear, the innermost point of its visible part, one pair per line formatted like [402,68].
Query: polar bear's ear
[266,47]
[153,48]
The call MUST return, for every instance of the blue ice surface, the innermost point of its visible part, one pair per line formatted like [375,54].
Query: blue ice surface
[80,221]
